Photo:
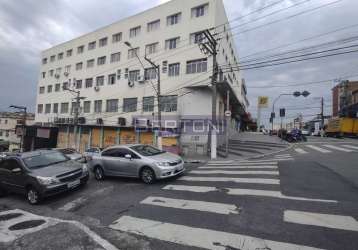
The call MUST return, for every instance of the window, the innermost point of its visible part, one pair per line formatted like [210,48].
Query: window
[49,88]
[150,74]
[79,66]
[112,105]
[57,87]
[80,49]
[48,108]
[44,61]
[129,104]
[152,26]
[55,108]
[99,80]
[69,53]
[197,37]
[90,63]
[117,37]
[87,107]
[133,53]
[148,104]
[65,85]
[199,10]
[168,103]
[172,43]
[51,72]
[68,69]
[58,72]
[111,79]
[115,57]
[103,42]
[101,60]
[89,82]
[52,58]
[40,108]
[78,84]
[196,66]
[43,74]
[92,45]
[133,32]
[60,56]
[42,90]
[174,69]
[151,48]
[134,75]
[98,106]
[64,108]
[173,19]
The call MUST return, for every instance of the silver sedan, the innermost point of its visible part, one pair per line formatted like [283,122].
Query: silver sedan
[141,161]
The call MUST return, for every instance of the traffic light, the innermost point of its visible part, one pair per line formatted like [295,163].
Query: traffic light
[282,112]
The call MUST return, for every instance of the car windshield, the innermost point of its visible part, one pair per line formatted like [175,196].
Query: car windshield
[147,150]
[44,159]
[67,151]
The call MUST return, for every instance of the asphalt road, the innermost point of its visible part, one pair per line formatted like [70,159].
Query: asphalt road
[303,198]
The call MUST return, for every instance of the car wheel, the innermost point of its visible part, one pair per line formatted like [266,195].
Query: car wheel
[99,174]
[33,196]
[147,175]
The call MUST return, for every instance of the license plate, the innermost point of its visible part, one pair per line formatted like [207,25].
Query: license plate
[73,184]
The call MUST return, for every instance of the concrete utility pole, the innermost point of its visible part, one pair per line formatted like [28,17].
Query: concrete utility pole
[228,115]
[322,112]
[24,118]
[210,47]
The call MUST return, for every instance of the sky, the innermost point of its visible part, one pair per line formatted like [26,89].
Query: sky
[27,27]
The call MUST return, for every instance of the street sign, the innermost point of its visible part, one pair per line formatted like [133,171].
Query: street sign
[282,112]
[228,113]
[263,101]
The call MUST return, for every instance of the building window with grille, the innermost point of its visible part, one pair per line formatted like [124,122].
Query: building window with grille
[79,66]
[87,107]
[57,87]
[132,53]
[112,105]
[42,90]
[117,37]
[89,83]
[60,56]
[168,103]
[152,26]
[103,42]
[199,11]
[112,79]
[98,106]
[196,66]
[43,75]
[129,104]
[52,58]
[40,108]
[80,49]
[151,48]
[174,69]
[55,108]
[67,69]
[150,73]
[48,109]
[69,53]
[115,57]
[49,89]
[92,45]
[133,32]
[134,75]
[101,60]
[90,63]
[99,80]
[51,72]
[173,19]
[78,84]
[172,43]
[197,37]
[44,61]
[64,108]
[65,85]
[148,104]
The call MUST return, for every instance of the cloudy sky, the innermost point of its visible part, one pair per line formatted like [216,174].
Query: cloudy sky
[28,27]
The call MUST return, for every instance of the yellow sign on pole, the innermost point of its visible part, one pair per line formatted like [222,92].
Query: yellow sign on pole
[263,102]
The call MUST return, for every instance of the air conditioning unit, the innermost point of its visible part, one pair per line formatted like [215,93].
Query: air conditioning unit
[82,120]
[99,121]
[130,84]
[97,88]
[121,121]
[141,79]
[66,73]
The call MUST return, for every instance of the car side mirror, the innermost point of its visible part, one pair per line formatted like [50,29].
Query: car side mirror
[128,156]
[16,170]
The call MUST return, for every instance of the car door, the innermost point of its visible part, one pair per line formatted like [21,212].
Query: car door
[129,166]
[112,162]
[12,176]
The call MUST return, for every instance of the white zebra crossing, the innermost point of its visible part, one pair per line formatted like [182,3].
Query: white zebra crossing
[301,151]
[240,167]
[338,148]
[231,179]
[234,172]
[350,146]
[197,237]
[322,150]
[268,162]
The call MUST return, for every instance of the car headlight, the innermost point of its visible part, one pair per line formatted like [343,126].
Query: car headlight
[163,164]
[47,180]
[84,168]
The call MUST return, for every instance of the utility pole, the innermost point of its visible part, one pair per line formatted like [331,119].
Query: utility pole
[322,112]
[24,118]
[210,47]
[228,115]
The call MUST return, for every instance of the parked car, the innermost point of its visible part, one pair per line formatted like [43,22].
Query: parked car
[72,154]
[90,152]
[40,174]
[141,161]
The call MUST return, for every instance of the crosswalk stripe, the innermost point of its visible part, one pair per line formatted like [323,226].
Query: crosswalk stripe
[322,150]
[246,164]
[234,172]
[321,220]
[301,151]
[73,204]
[240,191]
[240,167]
[212,207]
[197,237]
[338,148]
[350,146]
[230,179]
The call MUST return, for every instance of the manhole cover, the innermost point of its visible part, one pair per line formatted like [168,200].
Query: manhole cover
[9,216]
[26,225]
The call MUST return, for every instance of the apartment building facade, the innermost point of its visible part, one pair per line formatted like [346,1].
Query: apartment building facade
[119,87]
[345,99]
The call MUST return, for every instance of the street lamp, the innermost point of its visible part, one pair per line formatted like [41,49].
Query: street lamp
[24,109]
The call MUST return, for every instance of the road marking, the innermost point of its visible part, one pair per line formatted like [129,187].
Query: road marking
[240,191]
[301,151]
[212,207]
[350,146]
[240,167]
[322,150]
[73,204]
[197,237]
[338,148]
[282,156]
[321,220]
[247,163]
[229,179]
[234,172]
